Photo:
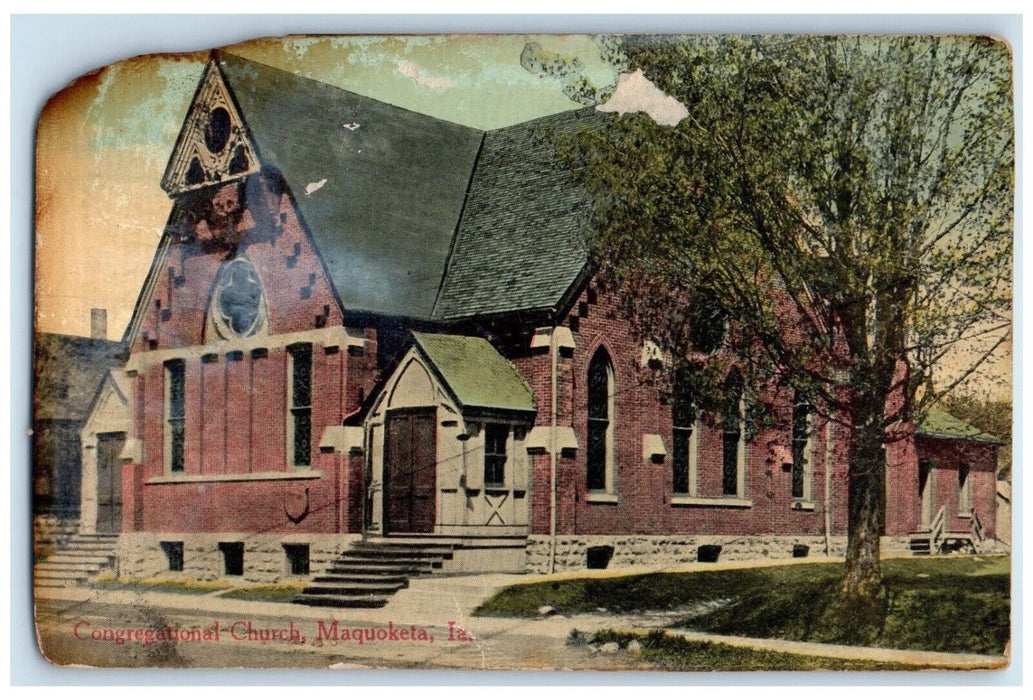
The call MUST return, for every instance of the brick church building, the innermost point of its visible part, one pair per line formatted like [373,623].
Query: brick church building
[364,323]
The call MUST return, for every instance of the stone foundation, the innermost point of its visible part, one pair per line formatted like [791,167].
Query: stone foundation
[140,555]
[670,550]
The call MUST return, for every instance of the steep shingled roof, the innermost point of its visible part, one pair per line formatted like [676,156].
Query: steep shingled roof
[384,219]
[940,424]
[521,241]
[476,373]
[69,369]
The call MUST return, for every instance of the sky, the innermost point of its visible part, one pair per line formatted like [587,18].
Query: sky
[103,143]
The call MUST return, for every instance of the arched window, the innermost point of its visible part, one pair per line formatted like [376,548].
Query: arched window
[733,455]
[601,443]
[803,450]
[685,434]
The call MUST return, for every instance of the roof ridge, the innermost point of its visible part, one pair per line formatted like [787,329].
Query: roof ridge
[555,116]
[223,55]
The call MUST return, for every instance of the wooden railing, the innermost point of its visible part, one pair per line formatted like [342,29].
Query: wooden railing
[936,530]
[977,531]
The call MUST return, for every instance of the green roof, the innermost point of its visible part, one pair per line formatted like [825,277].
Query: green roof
[415,216]
[940,424]
[521,240]
[395,180]
[475,372]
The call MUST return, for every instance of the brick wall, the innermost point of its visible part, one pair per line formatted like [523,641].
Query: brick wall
[295,286]
[236,403]
[644,487]
[947,456]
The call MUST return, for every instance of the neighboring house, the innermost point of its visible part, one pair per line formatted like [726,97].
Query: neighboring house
[364,322]
[103,439]
[68,371]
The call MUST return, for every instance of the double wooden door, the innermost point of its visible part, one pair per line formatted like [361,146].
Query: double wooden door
[410,470]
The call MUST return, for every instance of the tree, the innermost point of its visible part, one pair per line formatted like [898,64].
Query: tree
[845,201]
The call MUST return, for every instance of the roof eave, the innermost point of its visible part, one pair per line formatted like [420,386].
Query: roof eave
[984,439]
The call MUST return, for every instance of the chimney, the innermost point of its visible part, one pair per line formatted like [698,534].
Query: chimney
[99,324]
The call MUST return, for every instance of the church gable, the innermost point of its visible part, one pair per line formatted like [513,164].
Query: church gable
[230,277]
[213,146]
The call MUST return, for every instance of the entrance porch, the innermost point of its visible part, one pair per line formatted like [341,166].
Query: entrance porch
[447,450]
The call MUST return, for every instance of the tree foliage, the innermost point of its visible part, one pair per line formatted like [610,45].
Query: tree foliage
[846,201]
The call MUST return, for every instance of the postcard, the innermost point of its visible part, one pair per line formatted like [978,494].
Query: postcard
[672,353]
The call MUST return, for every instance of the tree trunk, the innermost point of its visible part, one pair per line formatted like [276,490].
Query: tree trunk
[862,585]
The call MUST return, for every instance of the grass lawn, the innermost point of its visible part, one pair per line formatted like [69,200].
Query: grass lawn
[958,604]
[673,653]
[162,585]
[269,593]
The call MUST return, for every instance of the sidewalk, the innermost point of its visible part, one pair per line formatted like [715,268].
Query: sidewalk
[446,603]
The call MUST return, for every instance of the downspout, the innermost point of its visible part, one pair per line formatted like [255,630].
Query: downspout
[552,450]
[830,462]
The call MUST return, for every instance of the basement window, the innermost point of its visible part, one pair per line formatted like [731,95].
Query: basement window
[174,553]
[598,557]
[232,558]
[297,559]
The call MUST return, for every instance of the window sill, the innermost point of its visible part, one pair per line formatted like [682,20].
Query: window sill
[967,515]
[711,502]
[247,476]
[803,505]
[601,498]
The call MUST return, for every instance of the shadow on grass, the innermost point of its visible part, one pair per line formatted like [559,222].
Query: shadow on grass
[953,604]
[674,653]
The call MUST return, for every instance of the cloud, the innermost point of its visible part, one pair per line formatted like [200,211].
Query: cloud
[636,93]
[314,186]
[432,82]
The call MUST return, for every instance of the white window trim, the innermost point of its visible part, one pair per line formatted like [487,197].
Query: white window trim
[806,501]
[718,502]
[610,473]
[697,426]
[611,441]
[167,416]
[742,460]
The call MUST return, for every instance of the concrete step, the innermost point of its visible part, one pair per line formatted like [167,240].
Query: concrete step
[362,578]
[407,552]
[373,567]
[82,569]
[61,574]
[51,583]
[89,544]
[341,601]
[353,588]
[393,545]
[70,557]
